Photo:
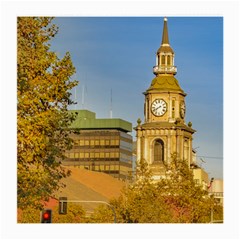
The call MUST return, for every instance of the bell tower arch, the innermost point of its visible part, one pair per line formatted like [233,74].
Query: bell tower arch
[158,151]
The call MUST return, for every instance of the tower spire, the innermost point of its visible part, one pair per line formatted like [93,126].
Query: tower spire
[165,39]
[165,55]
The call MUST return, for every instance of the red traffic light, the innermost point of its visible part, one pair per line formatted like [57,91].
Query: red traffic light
[46,216]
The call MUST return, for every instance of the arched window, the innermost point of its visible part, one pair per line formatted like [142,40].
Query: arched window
[159,151]
[168,60]
[163,60]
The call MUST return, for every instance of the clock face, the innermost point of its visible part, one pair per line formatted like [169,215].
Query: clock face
[182,109]
[159,107]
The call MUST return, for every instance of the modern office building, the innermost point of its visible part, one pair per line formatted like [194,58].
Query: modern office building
[103,145]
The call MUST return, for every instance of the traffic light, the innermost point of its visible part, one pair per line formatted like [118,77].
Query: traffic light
[62,205]
[46,216]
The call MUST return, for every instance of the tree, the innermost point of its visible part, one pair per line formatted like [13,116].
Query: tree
[188,202]
[175,198]
[43,95]
[76,214]
[140,202]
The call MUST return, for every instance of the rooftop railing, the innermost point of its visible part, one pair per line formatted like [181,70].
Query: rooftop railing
[165,69]
[216,194]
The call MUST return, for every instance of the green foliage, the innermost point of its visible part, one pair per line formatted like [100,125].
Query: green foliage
[174,199]
[43,85]
[187,200]
[76,214]
[217,211]
[102,214]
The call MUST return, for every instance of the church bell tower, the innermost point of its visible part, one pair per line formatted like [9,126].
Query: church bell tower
[164,131]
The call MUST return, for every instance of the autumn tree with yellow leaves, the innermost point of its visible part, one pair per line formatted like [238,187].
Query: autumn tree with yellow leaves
[173,199]
[43,95]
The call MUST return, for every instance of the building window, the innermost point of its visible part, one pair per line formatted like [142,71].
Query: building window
[159,151]
[168,60]
[102,142]
[163,60]
[186,150]
[173,108]
[196,181]
[92,143]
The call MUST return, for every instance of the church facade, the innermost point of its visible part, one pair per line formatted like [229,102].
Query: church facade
[164,131]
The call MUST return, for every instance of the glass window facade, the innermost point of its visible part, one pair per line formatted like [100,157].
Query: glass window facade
[108,151]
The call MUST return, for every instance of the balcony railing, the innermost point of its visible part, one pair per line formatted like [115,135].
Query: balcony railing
[216,194]
[165,69]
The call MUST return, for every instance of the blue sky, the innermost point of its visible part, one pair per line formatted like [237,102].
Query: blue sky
[117,54]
